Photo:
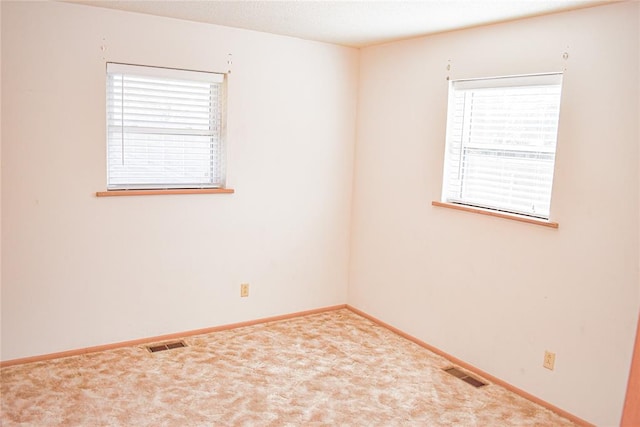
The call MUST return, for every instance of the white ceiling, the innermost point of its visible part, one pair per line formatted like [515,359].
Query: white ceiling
[351,23]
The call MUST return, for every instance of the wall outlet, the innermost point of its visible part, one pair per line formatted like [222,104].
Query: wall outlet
[244,290]
[549,360]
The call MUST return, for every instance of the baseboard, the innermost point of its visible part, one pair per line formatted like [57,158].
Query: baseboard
[178,335]
[473,369]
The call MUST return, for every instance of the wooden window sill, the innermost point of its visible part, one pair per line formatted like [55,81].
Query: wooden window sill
[160,192]
[489,212]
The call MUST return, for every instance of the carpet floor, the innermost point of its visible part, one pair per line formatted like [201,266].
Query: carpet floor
[334,368]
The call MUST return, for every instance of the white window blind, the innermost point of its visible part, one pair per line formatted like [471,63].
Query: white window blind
[164,128]
[501,143]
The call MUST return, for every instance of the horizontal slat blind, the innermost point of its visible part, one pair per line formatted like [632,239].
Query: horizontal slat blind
[501,142]
[164,128]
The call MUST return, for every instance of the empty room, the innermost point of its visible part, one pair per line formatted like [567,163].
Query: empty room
[392,213]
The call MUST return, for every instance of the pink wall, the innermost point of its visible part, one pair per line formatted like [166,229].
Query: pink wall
[79,271]
[493,292]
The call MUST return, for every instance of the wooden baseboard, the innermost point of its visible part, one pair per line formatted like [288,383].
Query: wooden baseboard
[473,369]
[167,337]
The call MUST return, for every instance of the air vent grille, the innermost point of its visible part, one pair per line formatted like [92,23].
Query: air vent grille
[458,373]
[165,346]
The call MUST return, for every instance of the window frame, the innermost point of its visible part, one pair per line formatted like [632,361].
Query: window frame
[217,124]
[549,80]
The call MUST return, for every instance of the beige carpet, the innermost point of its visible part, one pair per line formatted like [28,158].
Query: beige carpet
[334,368]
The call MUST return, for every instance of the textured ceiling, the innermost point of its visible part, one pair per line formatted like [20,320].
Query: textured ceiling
[350,23]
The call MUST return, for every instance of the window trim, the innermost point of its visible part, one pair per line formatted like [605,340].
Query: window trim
[213,77]
[497,214]
[507,81]
[164,191]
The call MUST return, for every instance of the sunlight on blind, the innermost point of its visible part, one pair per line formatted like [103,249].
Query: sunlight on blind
[164,128]
[501,143]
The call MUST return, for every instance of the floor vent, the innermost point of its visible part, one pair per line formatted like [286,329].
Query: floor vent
[165,346]
[464,377]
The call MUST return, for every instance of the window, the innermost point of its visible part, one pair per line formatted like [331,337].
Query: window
[165,128]
[501,143]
